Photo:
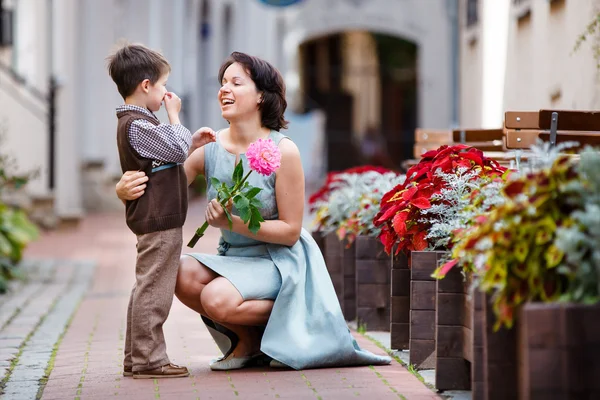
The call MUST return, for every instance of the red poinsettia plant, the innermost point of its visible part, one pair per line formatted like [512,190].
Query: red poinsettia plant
[401,215]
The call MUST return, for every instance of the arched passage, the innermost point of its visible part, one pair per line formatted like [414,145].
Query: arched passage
[366,84]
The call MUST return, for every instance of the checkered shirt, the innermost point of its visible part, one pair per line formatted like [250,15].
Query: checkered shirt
[162,143]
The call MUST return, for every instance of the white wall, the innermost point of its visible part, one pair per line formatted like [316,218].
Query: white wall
[542,71]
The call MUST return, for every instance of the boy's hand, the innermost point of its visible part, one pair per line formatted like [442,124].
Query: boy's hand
[201,137]
[131,185]
[173,107]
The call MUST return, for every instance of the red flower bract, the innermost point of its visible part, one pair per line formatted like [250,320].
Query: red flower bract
[400,216]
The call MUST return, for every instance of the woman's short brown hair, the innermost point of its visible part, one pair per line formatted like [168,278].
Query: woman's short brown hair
[133,63]
[269,81]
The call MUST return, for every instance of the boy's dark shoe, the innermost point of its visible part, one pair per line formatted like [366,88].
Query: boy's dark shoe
[166,371]
[127,371]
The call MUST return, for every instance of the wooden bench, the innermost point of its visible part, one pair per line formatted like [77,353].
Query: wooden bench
[522,129]
[490,141]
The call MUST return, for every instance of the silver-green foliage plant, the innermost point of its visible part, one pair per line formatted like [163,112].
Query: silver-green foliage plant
[466,196]
[580,242]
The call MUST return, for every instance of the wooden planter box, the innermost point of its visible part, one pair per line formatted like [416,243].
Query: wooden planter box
[422,308]
[400,303]
[458,329]
[349,272]
[500,365]
[340,263]
[320,240]
[373,277]
[477,383]
[333,260]
[559,351]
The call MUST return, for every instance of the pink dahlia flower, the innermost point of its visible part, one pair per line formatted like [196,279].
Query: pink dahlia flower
[264,156]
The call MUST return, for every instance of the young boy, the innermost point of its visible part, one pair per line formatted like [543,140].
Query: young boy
[157,217]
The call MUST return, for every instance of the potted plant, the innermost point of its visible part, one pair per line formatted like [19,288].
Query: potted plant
[16,230]
[536,257]
[333,205]
[371,263]
[418,216]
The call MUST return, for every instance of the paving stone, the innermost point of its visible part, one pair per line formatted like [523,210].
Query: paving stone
[91,351]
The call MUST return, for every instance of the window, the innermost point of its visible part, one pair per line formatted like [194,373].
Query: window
[472,12]
[6,26]
[522,11]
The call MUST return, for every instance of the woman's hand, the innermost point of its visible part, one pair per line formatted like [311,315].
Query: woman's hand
[132,185]
[215,215]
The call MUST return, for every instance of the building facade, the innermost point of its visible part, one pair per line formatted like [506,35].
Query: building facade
[519,55]
[57,101]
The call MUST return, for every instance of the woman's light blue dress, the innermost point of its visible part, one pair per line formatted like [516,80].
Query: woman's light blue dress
[306,328]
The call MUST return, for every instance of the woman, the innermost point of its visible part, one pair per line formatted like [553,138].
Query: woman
[269,293]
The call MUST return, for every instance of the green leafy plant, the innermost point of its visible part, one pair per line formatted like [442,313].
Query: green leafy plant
[541,243]
[16,230]
[591,30]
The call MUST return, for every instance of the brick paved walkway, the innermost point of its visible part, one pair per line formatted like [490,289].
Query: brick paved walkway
[88,363]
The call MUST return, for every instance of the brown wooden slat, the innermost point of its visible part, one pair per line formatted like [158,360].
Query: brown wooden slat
[423,263]
[422,324]
[453,282]
[433,136]
[399,261]
[520,139]
[477,135]
[401,282]
[521,120]
[400,309]
[588,138]
[452,374]
[375,319]
[420,148]
[467,350]
[422,353]
[422,295]
[372,271]
[450,309]
[571,120]
[374,295]
[369,248]
[399,335]
[449,341]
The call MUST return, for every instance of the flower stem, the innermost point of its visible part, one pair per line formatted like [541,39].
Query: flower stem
[199,233]
[239,185]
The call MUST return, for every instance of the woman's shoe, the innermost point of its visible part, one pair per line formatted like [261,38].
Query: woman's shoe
[278,364]
[232,362]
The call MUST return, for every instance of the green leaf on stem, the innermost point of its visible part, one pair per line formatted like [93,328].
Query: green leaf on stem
[254,202]
[215,182]
[255,220]
[240,201]
[250,194]
[238,172]
[228,215]
[245,214]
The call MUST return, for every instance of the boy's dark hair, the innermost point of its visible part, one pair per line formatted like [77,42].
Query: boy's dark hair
[269,81]
[133,63]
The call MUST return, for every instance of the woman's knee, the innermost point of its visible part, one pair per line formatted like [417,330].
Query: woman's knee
[219,302]
[192,276]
